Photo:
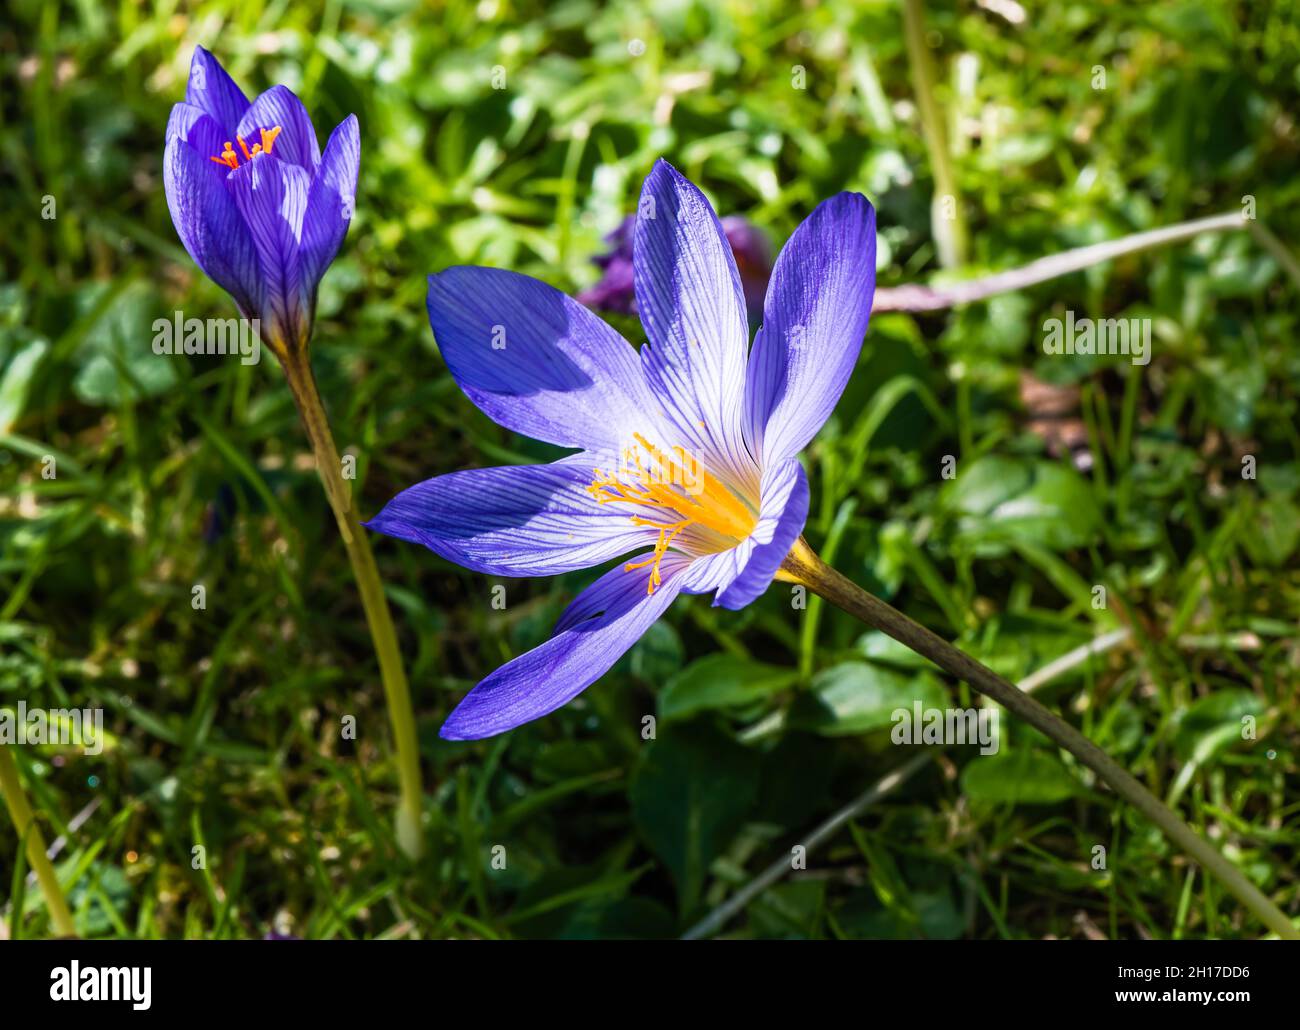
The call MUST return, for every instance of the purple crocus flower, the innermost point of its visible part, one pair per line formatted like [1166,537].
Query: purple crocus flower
[616,293]
[687,451]
[258,206]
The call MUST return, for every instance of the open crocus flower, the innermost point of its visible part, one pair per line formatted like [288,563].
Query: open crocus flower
[688,452]
[257,205]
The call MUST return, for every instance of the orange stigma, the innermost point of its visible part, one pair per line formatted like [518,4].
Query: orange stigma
[684,496]
[231,160]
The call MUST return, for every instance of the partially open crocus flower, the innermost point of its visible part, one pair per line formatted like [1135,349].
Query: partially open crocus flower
[258,206]
[688,452]
[615,291]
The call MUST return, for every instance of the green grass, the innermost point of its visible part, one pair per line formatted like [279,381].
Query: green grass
[172,473]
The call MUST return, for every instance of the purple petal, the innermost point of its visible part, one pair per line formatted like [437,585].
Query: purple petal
[689,297]
[740,575]
[272,196]
[296,142]
[197,128]
[193,124]
[536,361]
[210,88]
[331,201]
[524,520]
[816,313]
[210,225]
[610,616]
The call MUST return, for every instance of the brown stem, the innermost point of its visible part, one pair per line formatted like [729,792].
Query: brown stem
[803,565]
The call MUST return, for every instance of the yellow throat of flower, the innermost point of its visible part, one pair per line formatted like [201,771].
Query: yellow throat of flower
[683,496]
[231,160]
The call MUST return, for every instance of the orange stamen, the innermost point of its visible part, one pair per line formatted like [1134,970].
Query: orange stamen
[231,160]
[227,157]
[685,493]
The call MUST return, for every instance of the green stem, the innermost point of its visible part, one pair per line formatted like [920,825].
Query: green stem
[21,812]
[297,368]
[949,228]
[803,565]
[1276,248]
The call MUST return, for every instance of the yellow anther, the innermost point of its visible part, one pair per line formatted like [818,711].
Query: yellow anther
[682,493]
[666,535]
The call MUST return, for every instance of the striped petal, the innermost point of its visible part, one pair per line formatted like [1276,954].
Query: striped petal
[536,361]
[602,623]
[272,197]
[741,575]
[210,225]
[816,312]
[197,128]
[523,520]
[691,303]
[214,91]
[331,201]
[296,142]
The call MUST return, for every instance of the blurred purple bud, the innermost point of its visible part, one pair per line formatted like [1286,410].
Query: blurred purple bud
[753,259]
[614,292]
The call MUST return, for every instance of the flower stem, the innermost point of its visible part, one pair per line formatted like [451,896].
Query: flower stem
[21,812]
[297,368]
[947,221]
[803,565]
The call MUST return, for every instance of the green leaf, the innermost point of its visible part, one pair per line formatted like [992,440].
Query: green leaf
[106,895]
[1214,723]
[1233,392]
[691,794]
[789,911]
[1038,503]
[117,361]
[856,698]
[795,781]
[16,381]
[987,482]
[721,681]
[657,655]
[1273,533]
[1024,777]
